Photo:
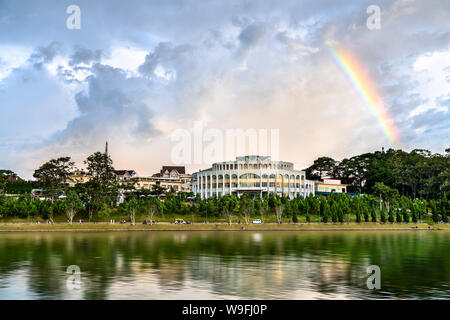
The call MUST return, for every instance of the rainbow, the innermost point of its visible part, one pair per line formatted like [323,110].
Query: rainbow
[366,89]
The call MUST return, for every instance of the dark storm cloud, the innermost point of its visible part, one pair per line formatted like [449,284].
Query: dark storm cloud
[250,36]
[84,55]
[194,70]
[164,53]
[111,102]
[43,55]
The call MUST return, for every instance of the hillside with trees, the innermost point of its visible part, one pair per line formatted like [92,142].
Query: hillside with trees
[417,174]
[387,187]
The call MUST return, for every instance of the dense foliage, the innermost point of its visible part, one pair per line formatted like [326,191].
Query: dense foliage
[336,208]
[392,187]
[418,173]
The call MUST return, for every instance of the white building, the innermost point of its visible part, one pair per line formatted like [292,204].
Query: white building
[327,186]
[252,175]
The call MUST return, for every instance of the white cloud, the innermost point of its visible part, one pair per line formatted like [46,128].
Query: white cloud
[432,72]
[127,58]
[11,57]
[133,74]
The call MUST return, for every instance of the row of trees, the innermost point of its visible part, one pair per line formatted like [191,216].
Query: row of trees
[419,173]
[335,208]
[420,177]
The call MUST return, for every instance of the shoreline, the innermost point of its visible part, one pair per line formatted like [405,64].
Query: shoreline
[106,227]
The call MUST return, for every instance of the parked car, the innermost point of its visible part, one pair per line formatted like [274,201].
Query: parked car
[257,221]
[180,221]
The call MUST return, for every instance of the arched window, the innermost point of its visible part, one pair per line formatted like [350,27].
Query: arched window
[234,181]
[227,181]
[279,181]
[292,181]
[264,180]
[249,180]
[272,181]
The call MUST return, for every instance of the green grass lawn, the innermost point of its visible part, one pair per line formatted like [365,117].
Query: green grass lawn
[217,226]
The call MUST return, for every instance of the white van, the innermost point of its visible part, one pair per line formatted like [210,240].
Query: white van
[257,221]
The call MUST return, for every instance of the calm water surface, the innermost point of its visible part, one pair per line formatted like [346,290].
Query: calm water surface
[225,265]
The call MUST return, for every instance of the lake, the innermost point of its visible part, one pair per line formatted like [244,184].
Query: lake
[224,265]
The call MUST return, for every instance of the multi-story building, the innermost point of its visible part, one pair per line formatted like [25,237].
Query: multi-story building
[170,178]
[125,175]
[327,186]
[78,176]
[257,175]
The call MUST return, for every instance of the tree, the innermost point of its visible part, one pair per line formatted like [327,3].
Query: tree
[103,185]
[365,210]
[373,214]
[279,208]
[131,207]
[158,190]
[383,215]
[391,215]
[414,211]
[105,211]
[100,168]
[151,208]
[321,167]
[444,206]
[247,207]
[6,175]
[326,212]
[73,205]
[263,209]
[334,212]
[54,172]
[356,209]
[404,212]
[229,205]
[434,211]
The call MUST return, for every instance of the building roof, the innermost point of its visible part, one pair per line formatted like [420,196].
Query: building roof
[123,172]
[179,169]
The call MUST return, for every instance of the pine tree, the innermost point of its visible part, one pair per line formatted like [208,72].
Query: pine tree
[294,216]
[326,212]
[334,214]
[365,212]
[355,207]
[444,208]
[373,214]
[383,215]
[391,215]
[398,216]
[340,215]
[404,213]
[434,211]
[414,212]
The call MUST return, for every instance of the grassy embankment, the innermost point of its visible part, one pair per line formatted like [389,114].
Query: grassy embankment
[219,227]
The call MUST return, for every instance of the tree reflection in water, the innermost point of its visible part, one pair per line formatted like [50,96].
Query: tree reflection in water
[249,265]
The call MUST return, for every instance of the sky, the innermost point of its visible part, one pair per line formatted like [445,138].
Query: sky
[136,72]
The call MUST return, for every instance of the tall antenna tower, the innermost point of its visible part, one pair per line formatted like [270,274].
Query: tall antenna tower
[106,148]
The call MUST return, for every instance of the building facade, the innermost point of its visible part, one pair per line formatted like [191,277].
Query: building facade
[125,175]
[327,186]
[78,176]
[257,175]
[170,177]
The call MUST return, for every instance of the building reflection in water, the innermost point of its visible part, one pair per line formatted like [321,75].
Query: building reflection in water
[210,265]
